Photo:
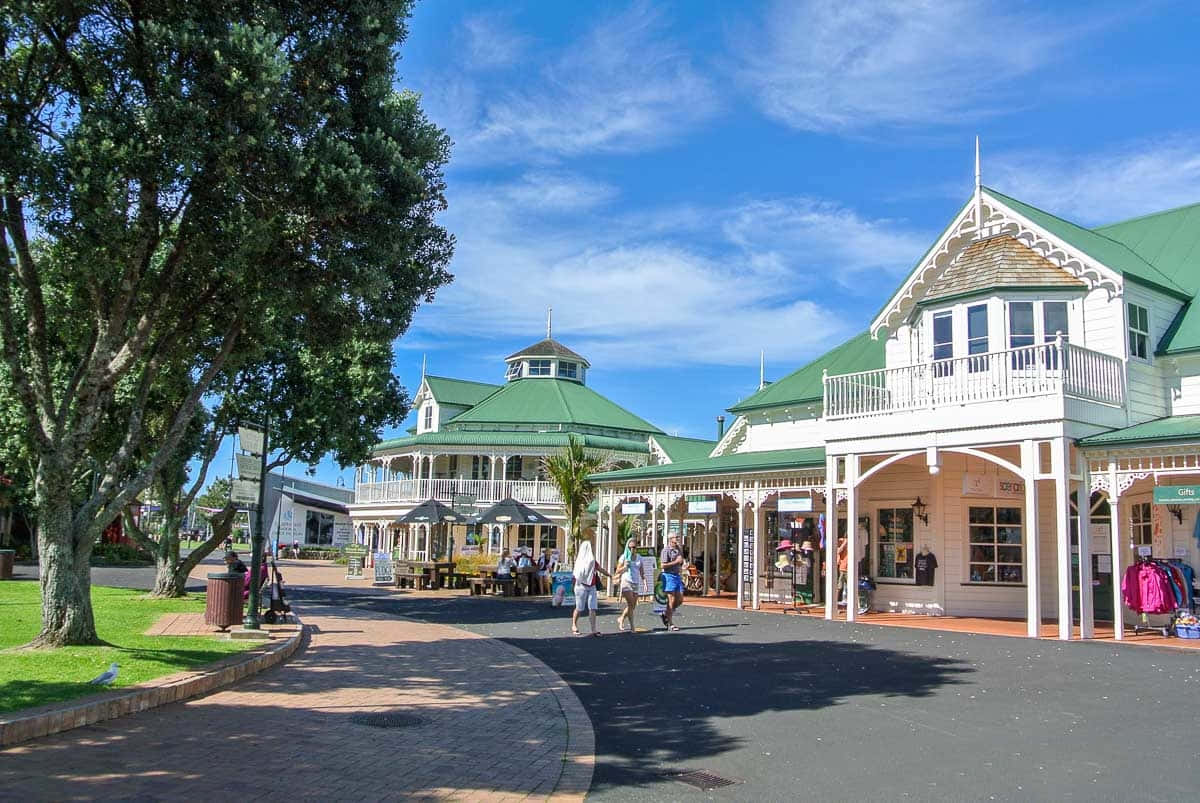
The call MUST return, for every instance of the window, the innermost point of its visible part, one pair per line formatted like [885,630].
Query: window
[995,551]
[453,465]
[526,535]
[539,368]
[895,538]
[568,370]
[1141,527]
[549,537]
[1020,324]
[512,469]
[1139,332]
[514,371]
[478,468]
[429,416]
[977,336]
[318,527]
[943,343]
[1054,320]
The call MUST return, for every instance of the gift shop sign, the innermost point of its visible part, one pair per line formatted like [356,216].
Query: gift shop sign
[1177,495]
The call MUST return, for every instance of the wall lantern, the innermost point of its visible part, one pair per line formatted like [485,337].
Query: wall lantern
[1176,511]
[919,511]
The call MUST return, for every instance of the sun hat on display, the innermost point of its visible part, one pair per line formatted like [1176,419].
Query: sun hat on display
[784,545]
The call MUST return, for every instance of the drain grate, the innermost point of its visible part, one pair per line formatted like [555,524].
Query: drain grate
[386,719]
[703,779]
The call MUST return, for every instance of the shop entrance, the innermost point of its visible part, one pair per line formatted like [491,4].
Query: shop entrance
[1103,565]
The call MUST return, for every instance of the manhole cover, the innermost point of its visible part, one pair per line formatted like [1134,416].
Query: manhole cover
[703,779]
[386,719]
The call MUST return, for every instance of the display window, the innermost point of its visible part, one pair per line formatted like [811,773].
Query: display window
[995,550]
[894,544]
[1141,524]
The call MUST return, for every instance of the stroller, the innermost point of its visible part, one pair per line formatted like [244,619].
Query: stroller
[273,594]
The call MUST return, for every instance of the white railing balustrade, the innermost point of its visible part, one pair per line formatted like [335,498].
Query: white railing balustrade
[531,492]
[1048,369]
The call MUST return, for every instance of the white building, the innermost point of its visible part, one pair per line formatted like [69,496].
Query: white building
[1024,364]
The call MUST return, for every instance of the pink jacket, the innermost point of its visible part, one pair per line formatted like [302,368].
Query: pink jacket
[1145,589]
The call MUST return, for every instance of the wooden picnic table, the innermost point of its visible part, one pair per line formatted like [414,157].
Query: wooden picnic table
[434,570]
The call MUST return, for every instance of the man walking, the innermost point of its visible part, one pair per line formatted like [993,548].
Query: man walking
[672,565]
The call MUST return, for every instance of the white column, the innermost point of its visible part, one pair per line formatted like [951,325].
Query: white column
[741,547]
[612,529]
[831,536]
[1114,507]
[852,537]
[1062,528]
[1087,613]
[654,510]
[755,602]
[1033,602]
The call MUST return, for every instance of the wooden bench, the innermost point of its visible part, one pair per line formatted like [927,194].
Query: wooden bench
[405,576]
[488,585]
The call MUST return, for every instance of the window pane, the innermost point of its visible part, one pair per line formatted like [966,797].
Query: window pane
[983,573]
[983,553]
[977,324]
[942,328]
[1008,535]
[1008,554]
[1054,319]
[980,515]
[1020,324]
[983,535]
[1008,515]
[1011,574]
[903,518]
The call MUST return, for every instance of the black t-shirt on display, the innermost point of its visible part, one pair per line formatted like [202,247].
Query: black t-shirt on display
[925,565]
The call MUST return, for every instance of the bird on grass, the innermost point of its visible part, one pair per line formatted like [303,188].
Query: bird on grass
[106,678]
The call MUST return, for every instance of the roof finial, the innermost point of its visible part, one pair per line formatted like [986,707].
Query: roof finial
[762,369]
[978,193]
[549,315]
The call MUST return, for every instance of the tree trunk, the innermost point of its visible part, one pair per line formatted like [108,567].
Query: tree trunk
[167,579]
[66,573]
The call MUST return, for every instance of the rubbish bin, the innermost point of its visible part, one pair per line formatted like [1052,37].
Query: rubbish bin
[6,563]
[223,600]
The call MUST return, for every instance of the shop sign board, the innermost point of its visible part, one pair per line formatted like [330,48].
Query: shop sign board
[1177,495]
[703,507]
[245,492]
[464,504]
[341,533]
[633,508]
[354,567]
[385,570]
[1010,488]
[800,504]
[976,485]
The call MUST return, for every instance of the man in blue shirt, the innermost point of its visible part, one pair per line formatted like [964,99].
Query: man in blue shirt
[672,565]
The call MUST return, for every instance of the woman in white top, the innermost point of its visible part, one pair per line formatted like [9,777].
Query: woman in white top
[586,598]
[629,569]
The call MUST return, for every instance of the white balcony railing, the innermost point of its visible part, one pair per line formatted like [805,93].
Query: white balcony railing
[1048,369]
[531,492]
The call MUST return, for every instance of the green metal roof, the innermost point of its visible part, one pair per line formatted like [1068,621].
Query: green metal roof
[1171,241]
[1110,252]
[860,353]
[742,462]
[1173,428]
[498,438]
[684,448]
[459,392]
[552,402]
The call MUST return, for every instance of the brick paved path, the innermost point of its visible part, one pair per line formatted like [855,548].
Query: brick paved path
[492,723]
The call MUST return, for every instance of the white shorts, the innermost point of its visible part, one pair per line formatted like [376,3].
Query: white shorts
[586,598]
[626,586]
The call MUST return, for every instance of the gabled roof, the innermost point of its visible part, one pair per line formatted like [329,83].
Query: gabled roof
[552,402]
[1109,252]
[774,460]
[860,353]
[501,438]
[547,348]
[459,392]
[1172,428]
[1000,261]
[1170,240]
[684,448]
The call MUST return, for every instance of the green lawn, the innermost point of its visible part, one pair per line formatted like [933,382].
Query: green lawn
[36,677]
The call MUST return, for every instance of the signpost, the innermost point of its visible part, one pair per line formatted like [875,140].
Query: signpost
[355,555]
[245,491]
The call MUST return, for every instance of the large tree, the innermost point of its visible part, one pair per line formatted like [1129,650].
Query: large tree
[179,184]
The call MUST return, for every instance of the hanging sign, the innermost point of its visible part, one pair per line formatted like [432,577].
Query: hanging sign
[800,504]
[633,508]
[249,466]
[245,491]
[705,506]
[251,440]
[1177,495]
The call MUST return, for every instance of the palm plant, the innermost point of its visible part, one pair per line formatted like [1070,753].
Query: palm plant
[570,472]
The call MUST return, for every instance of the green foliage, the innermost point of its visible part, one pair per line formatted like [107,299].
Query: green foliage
[29,678]
[470,564]
[569,472]
[215,495]
[120,554]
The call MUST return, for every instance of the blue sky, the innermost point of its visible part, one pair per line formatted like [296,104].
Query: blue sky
[688,183]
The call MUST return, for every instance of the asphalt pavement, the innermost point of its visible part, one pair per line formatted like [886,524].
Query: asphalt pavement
[799,708]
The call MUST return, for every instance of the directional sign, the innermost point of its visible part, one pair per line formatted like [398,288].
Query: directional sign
[245,492]
[251,440]
[249,466]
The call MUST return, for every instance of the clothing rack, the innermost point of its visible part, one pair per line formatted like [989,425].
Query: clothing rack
[1182,599]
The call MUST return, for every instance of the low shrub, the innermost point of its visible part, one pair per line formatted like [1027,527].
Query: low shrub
[470,564]
[106,552]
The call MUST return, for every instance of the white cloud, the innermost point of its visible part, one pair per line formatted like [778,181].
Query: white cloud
[1096,188]
[663,287]
[488,41]
[623,86]
[837,65]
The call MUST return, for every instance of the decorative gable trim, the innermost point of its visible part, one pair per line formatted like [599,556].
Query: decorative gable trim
[998,218]
[734,437]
